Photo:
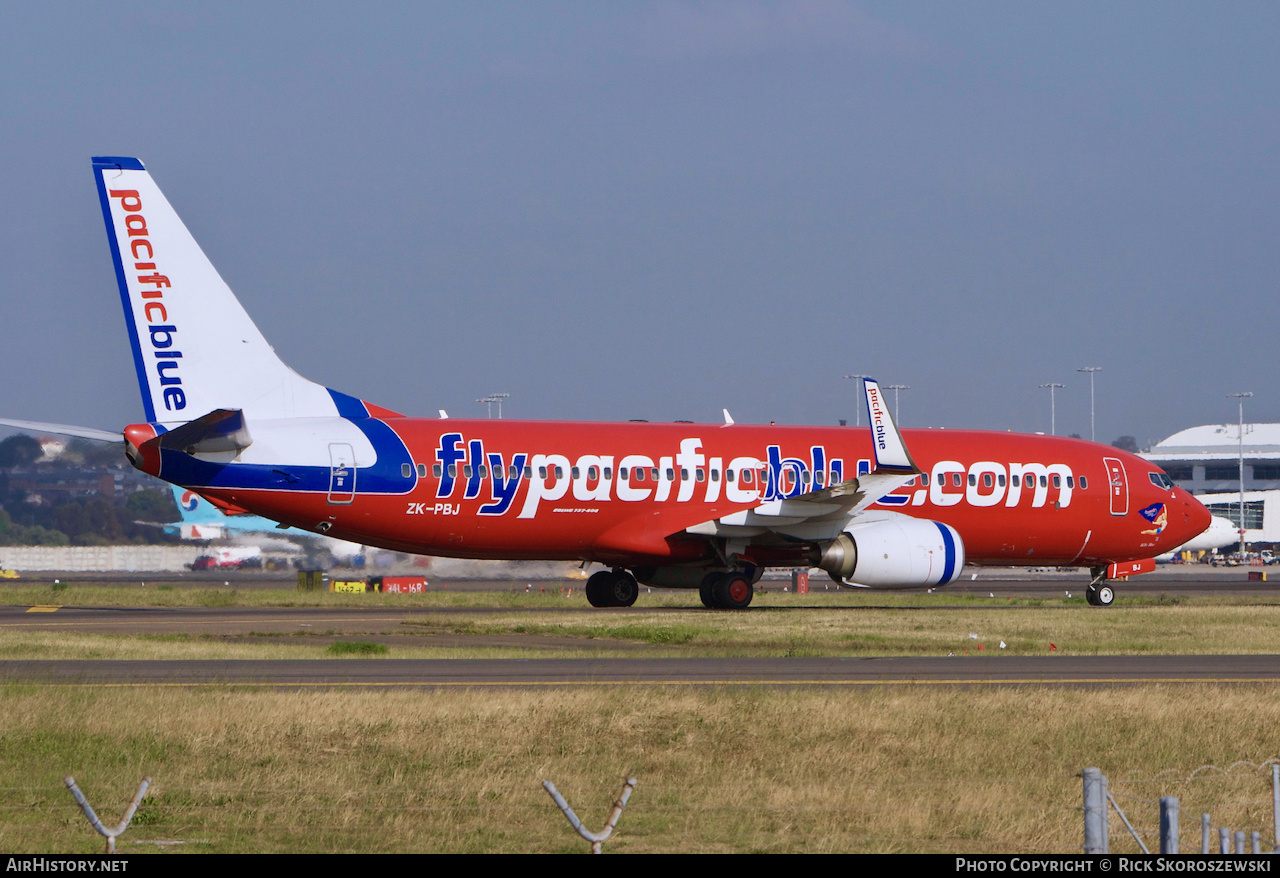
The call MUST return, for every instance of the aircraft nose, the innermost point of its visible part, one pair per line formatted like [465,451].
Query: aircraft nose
[1190,518]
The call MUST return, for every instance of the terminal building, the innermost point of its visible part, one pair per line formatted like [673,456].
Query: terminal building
[1205,460]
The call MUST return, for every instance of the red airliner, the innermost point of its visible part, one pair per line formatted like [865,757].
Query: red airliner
[705,506]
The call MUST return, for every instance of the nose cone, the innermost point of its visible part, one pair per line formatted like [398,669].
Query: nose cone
[1188,518]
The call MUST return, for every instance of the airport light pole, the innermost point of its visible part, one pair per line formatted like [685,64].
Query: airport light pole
[491,399]
[1093,435]
[1240,398]
[1053,407]
[857,408]
[895,388]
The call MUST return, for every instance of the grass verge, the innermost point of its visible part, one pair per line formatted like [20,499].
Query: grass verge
[885,770]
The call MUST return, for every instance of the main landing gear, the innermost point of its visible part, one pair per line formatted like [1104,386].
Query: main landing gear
[612,588]
[727,591]
[1099,594]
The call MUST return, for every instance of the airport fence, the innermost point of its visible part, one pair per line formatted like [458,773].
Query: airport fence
[1100,804]
[1120,816]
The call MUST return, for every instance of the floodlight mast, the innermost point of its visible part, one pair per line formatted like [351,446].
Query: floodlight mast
[857,409]
[1240,398]
[1053,407]
[895,388]
[491,399]
[1093,434]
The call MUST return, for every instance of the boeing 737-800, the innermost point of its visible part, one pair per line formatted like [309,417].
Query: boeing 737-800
[705,506]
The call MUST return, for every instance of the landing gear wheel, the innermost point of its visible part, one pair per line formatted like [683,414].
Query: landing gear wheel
[612,588]
[706,591]
[599,589]
[1101,595]
[733,591]
[623,589]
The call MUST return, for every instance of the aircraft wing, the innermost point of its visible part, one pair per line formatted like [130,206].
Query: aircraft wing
[63,430]
[824,513]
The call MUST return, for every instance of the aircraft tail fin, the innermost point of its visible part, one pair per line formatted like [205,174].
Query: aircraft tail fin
[194,347]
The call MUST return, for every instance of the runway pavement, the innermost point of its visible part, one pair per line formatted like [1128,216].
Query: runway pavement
[375,623]
[1073,671]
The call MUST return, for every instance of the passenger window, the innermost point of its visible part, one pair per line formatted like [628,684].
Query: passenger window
[1057,481]
[924,480]
[513,472]
[406,470]
[973,480]
[542,472]
[715,475]
[1017,481]
[955,479]
[559,472]
[608,472]
[654,472]
[804,477]
[466,470]
[1044,481]
[1084,482]
[453,470]
[986,480]
[573,473]
[728,475]
[819,477]
[700,474]
[435,471]
[622,473]
[422,470]
[748,477]
[1071,483]
[1000,479]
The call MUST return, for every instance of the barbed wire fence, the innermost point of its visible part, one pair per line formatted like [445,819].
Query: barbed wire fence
[1243,799]
[1160,820]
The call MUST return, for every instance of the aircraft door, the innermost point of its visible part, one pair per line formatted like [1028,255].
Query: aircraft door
[342,473]
[1118,485]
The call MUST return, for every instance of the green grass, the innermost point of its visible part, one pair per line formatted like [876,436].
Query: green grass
[356,648]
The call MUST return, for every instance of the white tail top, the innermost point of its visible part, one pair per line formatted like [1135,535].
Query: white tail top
[194,346]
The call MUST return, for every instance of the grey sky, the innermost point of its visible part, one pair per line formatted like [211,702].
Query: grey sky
[656,210]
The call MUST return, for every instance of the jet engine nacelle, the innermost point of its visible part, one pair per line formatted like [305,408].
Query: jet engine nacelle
[897,553]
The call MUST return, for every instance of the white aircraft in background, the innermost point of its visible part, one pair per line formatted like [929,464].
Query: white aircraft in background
[1221,533]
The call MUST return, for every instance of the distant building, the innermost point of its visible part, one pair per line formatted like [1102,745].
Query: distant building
[1206,461]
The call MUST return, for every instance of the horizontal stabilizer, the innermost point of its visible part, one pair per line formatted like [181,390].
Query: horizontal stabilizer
[219,431]
[63,430]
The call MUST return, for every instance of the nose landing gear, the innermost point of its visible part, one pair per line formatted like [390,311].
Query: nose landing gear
[1099,594]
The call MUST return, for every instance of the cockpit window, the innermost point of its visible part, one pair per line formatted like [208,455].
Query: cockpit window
[1160,480]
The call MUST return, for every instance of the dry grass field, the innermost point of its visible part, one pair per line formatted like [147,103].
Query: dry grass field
[884,770]
[876,769]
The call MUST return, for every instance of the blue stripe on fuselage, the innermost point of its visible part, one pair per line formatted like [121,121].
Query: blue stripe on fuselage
[385,476]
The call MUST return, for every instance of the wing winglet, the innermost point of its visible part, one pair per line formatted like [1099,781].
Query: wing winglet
[891,455]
